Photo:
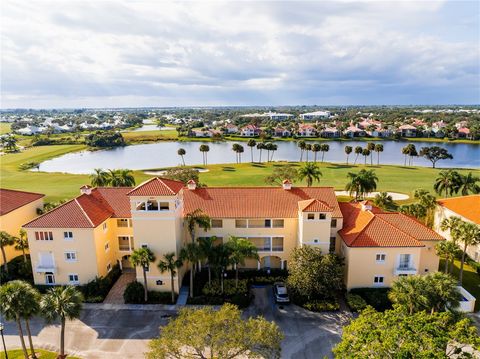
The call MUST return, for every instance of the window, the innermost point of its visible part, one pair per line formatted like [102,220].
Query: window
[378,280]
[140,206]
[322,216]
[109,267]
[152,205]
[278,223]
[315,240]
[404,262]
[68,235]
[217,223]
[311,216]
[124,243]
[164,206]
[104,226]
[70,256]
[123,222]
[331,247]
[73,278]
[333,224]
[240,223]
[256,223]
[144,246]
[49,278]
[380,257]
[268,223]
[277,244]
[107,246]
[44,236]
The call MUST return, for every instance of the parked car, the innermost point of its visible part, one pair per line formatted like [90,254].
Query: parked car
[280,293]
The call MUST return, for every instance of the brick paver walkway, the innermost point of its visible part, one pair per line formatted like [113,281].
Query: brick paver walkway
[115,296]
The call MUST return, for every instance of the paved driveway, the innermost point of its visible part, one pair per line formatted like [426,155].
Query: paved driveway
[307,334]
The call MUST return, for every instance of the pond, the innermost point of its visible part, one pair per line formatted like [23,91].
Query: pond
[164,154]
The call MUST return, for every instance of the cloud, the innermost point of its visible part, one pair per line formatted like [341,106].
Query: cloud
[123,53]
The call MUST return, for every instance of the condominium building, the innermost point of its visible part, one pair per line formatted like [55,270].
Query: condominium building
[84,237]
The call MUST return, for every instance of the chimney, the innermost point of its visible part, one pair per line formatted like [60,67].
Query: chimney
[287,185]
[191,185]
[86,189]
[366,206]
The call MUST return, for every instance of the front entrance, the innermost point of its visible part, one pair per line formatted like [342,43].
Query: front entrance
[49,278]
[126,262]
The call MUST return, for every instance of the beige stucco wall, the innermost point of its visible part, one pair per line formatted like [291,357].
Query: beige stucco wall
[13,221]
[429,259]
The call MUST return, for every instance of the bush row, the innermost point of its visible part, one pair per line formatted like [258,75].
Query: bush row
[134,294]
[376,297]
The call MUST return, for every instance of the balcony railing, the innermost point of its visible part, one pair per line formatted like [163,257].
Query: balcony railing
[405,270]
[124,247]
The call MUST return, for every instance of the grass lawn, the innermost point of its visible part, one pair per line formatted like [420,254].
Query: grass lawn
[150,136]
[471,279]
[5,127]
[43,354]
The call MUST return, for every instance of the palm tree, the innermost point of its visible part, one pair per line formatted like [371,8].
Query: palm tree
[181,152]
[447,249]
[301,144]
[441,291]
[371,148]
[126,178]
[358,151]
[365,153]
[5,240]
[378,149]
[361,183]
[273,147]
[384,201]
[308,147]
[468,184]
[241,249]
[412,152]
[405,152]
[191,254]
[310,172]
[469,235]
[31,308]
[235,148]
[21,244]
[220,260]
[452,224]
[61,303]
[170,264]
[251,143]
[316,148]
[99,178]
[240,151]
[196,218]
[14,301]
[204,149]
[260,147]
[448,181]
[348,150]
[409,292]
[324,148]
[207,245]
[143,257]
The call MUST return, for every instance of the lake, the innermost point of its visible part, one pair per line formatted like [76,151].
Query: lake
[164,154]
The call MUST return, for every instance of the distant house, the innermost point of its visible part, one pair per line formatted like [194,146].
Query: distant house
[407,131]
[250,131]
[30,130]
[205,133]
[306,130]
[380,132]
[464,132]
[281,132]
[271,115]
[231,128]
[330,132]
[353,131]
[315,115]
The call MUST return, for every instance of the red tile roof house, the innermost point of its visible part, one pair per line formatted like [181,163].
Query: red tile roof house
[250,131]
[306,130]
[102,226]
[407,131]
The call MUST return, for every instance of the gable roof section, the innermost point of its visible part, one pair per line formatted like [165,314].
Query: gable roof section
[314,205]
[375,228]
[11,199]
[117,199]
[466,206]
[157,187]
[257,202]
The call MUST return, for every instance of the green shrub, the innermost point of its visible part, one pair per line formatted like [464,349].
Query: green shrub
[355,302]
[155,297]
[204,300]
[100,286]
[376,297]
[266,280]
[322,305]
[28,165]
[214,288]
[134,293]
[17,269]
[240,300]
[96,299]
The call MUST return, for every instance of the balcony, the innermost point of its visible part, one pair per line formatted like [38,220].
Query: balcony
[44,268]
[405,271]
[124,247]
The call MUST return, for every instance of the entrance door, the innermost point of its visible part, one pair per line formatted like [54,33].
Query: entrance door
[49,278]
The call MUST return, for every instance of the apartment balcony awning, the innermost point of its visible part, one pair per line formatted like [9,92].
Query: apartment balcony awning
[44,268]
[405,271]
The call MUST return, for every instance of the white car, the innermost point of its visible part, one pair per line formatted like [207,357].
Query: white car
[280,293]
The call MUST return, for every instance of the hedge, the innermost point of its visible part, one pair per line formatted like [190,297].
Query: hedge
[376,297]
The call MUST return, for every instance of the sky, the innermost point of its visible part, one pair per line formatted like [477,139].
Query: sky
[68,54]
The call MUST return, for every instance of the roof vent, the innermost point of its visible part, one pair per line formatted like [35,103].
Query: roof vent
[86,189]
[191,185]
[366,206]
[287,185]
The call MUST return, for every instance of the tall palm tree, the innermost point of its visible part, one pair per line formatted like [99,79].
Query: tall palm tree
[384,201]
[5,240]
[365,153]
[251,143]
[204,149]
[441,291]
[371,148]
[170,264]
[240,151]
[310,172]
[378,149]
[361,183]
[308,148]
[61,303]
[241,249]
[447,249]
[469,235]
[260,147]
[99,178]
[194,219]
[181,152]
[273,147]
[143,257]
[412,152]
[31,308]
[348,150]
[468,184]
[358,151]
[207,245]
[448,181]
[316,148]
[21,244]
[126,178]
[235,148]
[324,148]
[191,254]
[429,202]
[452,224]
[408,291]
[220,260]
[301,144]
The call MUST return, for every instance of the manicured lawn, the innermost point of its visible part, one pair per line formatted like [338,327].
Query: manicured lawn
[150,136]
[471,279]
[43,354]
[5,127]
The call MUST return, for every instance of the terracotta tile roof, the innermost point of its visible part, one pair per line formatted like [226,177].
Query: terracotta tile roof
[256,202]
[314,205]
[87,211]
[466,206]
[157,187]
[11,199]
[375,228]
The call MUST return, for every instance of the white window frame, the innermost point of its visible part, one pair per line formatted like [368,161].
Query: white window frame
[311,214]
[107,246]
[380,261]
[73,281]
[322,214]
[70,253]
[68,235]
[378,284]
[52,275]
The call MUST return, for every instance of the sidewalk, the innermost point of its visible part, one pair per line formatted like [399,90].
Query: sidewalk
[115,296]
[183,296]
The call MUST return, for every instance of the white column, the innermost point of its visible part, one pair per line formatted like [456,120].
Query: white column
[281,263]
[258,265]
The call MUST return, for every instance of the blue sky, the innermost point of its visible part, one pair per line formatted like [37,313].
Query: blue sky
[141,53]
